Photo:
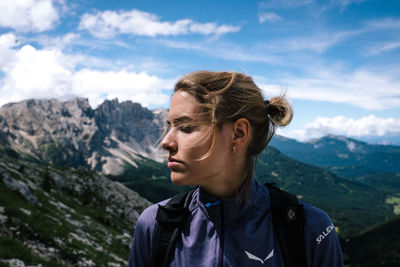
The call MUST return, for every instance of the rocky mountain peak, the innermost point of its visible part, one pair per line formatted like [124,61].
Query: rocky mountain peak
[126,120]
[71,133]
[340,143]
[45,107]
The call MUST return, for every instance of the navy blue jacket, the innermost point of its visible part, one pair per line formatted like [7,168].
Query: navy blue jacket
[234,233]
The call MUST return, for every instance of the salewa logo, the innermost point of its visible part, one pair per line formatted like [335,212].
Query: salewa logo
[252,257]
[325,233]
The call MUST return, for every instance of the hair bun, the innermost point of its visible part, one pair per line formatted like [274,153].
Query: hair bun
[279,110]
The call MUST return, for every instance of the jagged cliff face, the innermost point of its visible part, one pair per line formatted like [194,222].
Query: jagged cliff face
[73,134]
[49,130]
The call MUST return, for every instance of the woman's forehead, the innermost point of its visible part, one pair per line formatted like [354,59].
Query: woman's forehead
[183,105]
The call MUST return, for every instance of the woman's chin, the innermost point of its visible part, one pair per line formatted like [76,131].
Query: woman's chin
[180,179]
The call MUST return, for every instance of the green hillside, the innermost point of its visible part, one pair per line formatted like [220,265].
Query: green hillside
[387,182]
[379,246]
[64,217]
[150,179]
[352,206]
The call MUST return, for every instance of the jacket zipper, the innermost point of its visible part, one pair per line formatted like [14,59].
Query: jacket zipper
[222,237]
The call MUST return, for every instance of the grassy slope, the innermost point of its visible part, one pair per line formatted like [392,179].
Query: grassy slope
[11,248]
[151,180]
[379,246]
[77,227]
[352,206]
[387,182]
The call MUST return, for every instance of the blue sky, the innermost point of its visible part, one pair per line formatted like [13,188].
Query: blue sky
[338,60]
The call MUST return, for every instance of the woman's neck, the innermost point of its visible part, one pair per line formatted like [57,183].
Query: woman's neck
[228,186]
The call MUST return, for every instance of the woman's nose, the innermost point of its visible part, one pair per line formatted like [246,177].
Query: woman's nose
[168,142]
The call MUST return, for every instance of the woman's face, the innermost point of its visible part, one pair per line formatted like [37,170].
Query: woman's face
[187,141]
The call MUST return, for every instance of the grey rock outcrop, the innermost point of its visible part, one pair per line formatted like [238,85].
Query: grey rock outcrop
[73,134]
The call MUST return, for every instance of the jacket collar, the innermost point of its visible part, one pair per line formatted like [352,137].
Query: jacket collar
[231,209]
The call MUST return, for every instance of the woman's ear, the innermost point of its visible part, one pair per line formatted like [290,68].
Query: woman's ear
[241,131]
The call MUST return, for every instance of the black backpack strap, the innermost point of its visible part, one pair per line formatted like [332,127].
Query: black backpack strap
[288,220]
[170,219]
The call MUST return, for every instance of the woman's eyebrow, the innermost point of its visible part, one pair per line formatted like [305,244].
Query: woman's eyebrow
[182,119]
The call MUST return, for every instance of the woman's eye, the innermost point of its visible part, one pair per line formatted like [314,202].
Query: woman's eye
[185,128]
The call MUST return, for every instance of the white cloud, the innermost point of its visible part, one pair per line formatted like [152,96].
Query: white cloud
[139,87]
[7,42]
[36,73]
[48,73]
[58,42]
[28,15]
[340,125]
[107,24]
[368,89]
[269,17]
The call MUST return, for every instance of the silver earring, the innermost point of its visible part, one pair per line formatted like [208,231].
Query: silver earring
[234,149]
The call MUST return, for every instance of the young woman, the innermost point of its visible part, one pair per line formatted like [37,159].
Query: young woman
[218,123]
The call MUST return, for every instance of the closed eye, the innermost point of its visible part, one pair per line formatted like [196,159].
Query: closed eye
[185,128]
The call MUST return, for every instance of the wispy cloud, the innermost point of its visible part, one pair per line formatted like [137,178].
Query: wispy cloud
[368,89]
[318,6]
[271,17]
[276,4]
[341,125]
[314,42]
[319,43]
[324,40]
[223,50]
[383,24]
[107,24]
[59,42]
[343,4]
[25,16]
[380,48]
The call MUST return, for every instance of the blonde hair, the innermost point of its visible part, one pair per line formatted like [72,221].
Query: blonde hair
[228,96]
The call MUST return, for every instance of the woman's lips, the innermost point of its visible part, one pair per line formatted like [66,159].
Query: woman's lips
[173,163]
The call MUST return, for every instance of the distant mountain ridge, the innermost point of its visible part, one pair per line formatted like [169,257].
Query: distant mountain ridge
[388,139]
[73,134]
[344,156]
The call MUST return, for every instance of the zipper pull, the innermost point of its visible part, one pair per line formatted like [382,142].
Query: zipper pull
[207,205]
